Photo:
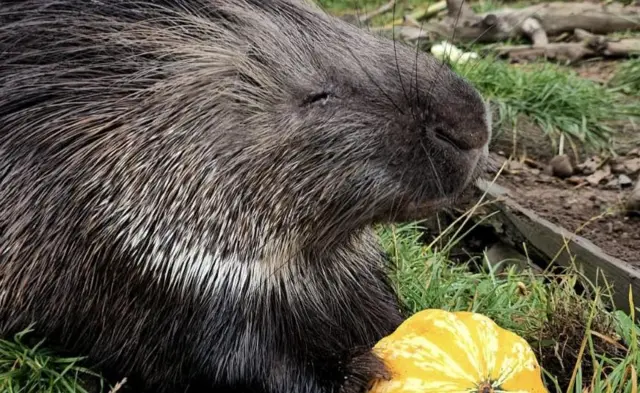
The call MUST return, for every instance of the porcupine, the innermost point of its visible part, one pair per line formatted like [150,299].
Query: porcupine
[188,188]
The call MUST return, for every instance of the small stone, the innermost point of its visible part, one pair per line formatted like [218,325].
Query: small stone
[544,178]
[633,202]
[561,166]
[617,226]
[632,166]
[575,180]
[612,185]
[515,166]
[625,181]
[618,167]
[598,202]
[535,171]
[598,176]
[569,203]
[616,160]
[589,166]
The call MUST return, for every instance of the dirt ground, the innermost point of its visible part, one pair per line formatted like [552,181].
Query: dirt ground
[590,200]
[594,212]
[597,70]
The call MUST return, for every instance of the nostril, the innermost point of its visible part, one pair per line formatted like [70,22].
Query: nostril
[463,139]
[444,136]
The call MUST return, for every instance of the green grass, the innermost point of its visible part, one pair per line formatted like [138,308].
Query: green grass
[482,6]
[32,368]
[364,6]
[350,5]
[544,309]
[579,344]
[355,6]
[554,97]
[627,78]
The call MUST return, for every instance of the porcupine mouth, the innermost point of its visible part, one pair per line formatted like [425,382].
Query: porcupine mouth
[475,160]
[415,210]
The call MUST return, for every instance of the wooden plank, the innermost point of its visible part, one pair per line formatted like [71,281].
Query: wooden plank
[553,241]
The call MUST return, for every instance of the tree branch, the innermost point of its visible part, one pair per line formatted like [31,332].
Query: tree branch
[590,45]
[383,9]
[536,23]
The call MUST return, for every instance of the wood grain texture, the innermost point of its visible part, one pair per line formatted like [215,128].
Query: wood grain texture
[565,247]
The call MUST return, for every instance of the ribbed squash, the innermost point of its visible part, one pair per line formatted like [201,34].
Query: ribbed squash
[435,351]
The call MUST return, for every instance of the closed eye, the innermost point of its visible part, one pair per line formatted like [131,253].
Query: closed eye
[320,97]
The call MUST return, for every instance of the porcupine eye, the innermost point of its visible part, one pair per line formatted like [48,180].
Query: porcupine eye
[319,97]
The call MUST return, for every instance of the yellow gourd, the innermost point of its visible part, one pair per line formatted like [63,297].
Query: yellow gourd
[436,351]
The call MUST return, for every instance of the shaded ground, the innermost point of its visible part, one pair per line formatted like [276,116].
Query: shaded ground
[600,71]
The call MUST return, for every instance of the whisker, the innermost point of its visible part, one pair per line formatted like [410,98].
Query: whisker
[374,81]
[417,92]
[395,52]
[360,22]
[453,35]
[433,169]
[395,203]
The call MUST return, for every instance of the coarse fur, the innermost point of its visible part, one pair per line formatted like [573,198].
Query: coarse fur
[188,187]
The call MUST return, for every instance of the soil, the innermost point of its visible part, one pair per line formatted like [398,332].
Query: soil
[596,213]
[578,202]
[597,70]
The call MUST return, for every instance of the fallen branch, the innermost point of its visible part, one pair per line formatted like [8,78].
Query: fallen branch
[551,242]
[589,46]
[536,22]
[383,9]
[421,13]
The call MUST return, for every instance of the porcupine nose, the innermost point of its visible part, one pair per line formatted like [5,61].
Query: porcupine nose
[462,115]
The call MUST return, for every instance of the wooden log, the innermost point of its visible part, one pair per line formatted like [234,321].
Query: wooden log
[552,241]
[572,51]
[536,22]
